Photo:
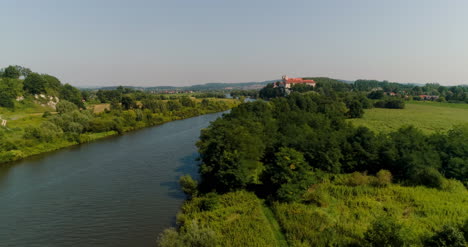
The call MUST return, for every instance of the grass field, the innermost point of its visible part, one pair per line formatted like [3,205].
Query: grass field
[430,117]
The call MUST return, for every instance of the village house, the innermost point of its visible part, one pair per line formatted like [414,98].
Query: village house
[287,82]
[428,97]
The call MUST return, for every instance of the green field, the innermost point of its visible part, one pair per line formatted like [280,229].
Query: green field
[430,117]
[340,212]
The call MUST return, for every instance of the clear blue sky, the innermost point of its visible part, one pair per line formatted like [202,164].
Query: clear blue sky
[175,42]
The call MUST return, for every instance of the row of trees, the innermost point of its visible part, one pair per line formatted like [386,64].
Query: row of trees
[376,89]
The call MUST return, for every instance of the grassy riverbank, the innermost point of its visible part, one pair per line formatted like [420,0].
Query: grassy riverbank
[27,130]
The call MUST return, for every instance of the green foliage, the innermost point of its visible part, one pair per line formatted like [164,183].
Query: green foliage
[390,103]
[384,178]
[189,186]
[11,72]
[427,176]
[449,236]
[377,94]
[269,92]
[6,100]
[169,238]
[65,107]
[128,102]
[72,94]
[35,84]
[237,220]
[337,214]
[384,232]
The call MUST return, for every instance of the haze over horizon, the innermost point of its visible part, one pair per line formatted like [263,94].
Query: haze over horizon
[180,43]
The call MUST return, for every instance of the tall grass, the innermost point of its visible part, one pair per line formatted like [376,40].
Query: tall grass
[349,211]
[237,219]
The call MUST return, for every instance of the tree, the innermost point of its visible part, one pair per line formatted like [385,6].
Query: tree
[34,84]
[378,94]
[289,175]
[6,100]
[52,84]
[11,72]
[72,94]
[186,101]
[65,106]
[128,102]
[355,109]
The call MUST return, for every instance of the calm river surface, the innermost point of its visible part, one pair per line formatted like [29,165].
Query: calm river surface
[120,191]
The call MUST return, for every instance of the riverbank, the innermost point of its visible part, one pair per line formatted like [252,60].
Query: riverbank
[59,143]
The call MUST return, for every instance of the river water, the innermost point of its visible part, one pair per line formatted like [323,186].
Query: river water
[119,191]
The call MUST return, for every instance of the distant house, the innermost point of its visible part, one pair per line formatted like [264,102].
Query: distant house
[287,82]
[428,97]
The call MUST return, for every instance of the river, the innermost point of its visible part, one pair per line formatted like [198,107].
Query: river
[119,191]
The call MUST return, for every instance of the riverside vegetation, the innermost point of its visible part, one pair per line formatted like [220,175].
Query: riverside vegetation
[43,114]
[296,171]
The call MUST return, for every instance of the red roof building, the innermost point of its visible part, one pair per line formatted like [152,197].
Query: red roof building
[288,82]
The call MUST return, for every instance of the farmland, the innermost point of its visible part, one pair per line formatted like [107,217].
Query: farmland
[430,117]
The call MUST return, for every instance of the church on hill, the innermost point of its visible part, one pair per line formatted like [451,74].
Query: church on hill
[287,82]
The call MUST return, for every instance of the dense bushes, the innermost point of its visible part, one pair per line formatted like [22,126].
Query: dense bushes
[391,103]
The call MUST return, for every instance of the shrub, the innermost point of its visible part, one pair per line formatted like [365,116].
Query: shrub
[427,176]
[318,195]
[209,202]
[46,114]
[464,229]
[385,231]
[195,235]
[189,186]
[168,238]
[65,106]
[357,178]
[384,178]
[448,236]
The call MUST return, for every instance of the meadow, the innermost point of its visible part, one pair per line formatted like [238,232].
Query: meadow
[430,117]
[339,211]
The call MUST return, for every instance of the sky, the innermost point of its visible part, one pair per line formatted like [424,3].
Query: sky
[186,42]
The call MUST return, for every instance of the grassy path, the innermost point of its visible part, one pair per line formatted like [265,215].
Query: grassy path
[279,236]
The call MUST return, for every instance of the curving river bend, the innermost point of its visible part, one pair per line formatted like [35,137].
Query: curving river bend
[120,191]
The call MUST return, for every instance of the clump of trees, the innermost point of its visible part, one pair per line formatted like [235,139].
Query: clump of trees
[12,85]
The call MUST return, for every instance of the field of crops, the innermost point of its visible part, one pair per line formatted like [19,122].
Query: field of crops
[430,117]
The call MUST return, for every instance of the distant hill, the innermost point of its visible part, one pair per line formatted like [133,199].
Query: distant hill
[198,87]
